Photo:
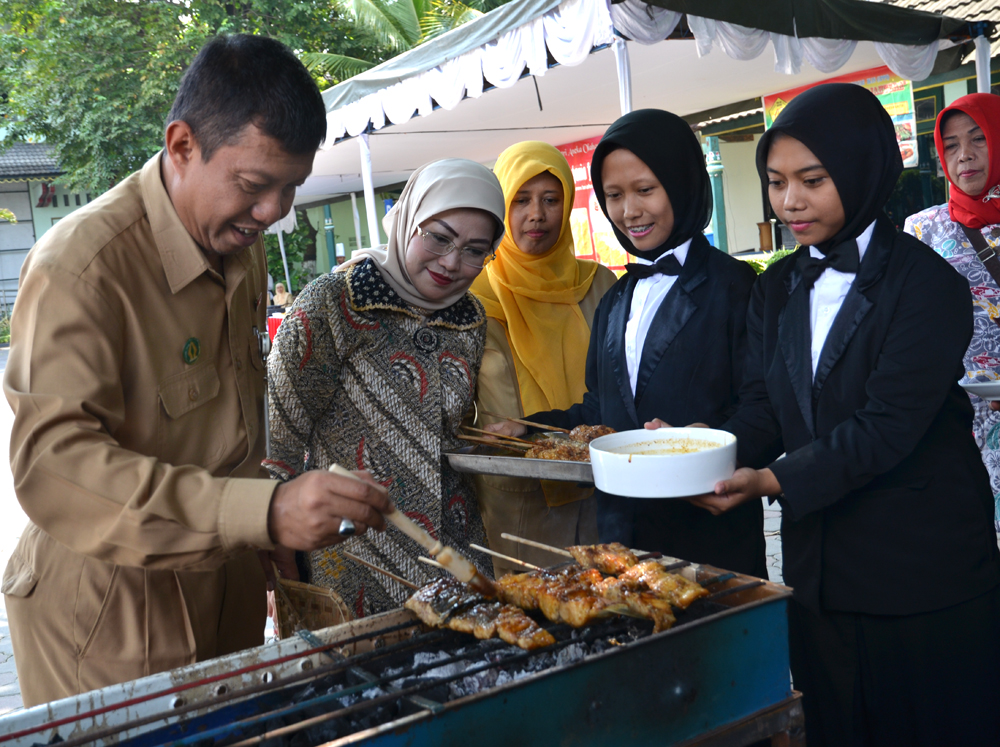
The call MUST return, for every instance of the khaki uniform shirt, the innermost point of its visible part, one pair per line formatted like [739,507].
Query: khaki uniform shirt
[137,386]
[517,505]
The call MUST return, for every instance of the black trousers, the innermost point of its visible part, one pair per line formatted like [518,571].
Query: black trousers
[879,681]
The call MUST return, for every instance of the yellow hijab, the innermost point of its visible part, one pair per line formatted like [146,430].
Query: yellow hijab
[537,298]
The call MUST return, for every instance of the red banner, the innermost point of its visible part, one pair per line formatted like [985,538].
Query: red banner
[592,231]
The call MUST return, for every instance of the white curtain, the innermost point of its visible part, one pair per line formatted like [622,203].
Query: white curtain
[569,32]
[647,24]
[644,23]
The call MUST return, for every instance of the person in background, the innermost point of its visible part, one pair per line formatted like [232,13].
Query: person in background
[854,354]
[374,368]
[281,296]
[540,302]
[965,231]
[669,338]
[136,380]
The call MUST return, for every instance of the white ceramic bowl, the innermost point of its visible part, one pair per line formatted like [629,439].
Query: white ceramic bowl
[636,463]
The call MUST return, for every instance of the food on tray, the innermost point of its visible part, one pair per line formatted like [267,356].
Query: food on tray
[574,448]
[587,433]
[449,603]
[666,446]
[561,449]
[612,558]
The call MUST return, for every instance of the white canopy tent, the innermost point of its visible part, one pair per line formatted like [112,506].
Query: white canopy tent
[427,104]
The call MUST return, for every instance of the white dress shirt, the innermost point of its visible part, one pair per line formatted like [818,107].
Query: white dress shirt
[827,296]
[646,299]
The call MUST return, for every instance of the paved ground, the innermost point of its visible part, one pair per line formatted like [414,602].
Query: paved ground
[12,521]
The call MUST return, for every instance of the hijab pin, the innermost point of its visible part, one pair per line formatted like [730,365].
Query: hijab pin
[993,194]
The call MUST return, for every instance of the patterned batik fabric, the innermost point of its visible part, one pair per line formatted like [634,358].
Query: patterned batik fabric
[935,228]
[359,378]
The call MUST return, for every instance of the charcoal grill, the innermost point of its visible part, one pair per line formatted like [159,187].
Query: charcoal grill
[386,680]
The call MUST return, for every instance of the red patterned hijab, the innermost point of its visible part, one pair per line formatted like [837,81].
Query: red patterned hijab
[976,211]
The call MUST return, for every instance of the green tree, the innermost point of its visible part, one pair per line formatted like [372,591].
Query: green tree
[394,25]
[96,78]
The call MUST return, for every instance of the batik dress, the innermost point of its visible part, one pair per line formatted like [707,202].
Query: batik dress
[935,228]
[360,378]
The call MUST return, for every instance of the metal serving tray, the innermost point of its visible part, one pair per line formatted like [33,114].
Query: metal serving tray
[488,460]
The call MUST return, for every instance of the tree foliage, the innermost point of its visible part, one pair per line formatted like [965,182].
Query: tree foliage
[95,78]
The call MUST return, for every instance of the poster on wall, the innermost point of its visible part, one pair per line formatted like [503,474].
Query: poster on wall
[895,93]
[592,232]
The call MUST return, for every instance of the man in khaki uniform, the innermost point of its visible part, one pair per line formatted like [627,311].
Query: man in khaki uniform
[136,380]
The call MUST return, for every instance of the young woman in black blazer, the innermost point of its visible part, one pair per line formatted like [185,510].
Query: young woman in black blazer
[855,347]
[668,339]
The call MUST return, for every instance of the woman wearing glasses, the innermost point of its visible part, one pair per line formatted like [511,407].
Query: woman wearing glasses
[374,367]
[540,302]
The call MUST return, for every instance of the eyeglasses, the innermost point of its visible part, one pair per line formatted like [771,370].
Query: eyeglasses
[442,246]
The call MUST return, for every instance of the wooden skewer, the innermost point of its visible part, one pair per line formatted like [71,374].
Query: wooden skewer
[383,571]
[428,561]
[452,560]
[499,435]
[539,545]
[494,442]
[508,558]
[543,426]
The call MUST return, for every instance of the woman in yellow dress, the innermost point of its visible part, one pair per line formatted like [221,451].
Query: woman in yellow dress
[540,302]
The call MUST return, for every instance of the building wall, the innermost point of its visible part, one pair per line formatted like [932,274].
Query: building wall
[15,238]
[741,186]
[64,203]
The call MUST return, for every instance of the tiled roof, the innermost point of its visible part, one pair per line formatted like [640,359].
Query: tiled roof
[970,10]
[22,161]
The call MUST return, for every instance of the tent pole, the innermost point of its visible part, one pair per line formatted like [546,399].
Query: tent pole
[982,59]
[624,75]
[366,178]
[284,260]
[357,220]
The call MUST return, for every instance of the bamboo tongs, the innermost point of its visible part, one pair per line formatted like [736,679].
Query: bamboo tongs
[451,559]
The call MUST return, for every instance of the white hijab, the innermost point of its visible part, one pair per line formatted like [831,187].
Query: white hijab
[431,190]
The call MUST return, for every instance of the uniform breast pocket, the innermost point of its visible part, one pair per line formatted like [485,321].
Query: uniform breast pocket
[187,434]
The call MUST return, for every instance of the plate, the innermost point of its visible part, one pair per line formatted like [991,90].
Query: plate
[634,463]
[989,390]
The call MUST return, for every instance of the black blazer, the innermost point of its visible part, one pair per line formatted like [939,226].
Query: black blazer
[887,505]
[690,371]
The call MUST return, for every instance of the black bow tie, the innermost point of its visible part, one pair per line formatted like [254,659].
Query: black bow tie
[843,258]
[665,265]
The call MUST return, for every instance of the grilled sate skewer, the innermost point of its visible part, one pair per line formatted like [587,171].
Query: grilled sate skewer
[612,558]
[499,436]
[528,423]
[494,442]
[587,433]
[500,555]
[539,545]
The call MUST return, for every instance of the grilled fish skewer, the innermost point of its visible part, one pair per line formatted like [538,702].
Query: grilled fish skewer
[453,561]
[383,571]
[447,603]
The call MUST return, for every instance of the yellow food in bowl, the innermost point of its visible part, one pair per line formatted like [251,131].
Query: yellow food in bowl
[666,446]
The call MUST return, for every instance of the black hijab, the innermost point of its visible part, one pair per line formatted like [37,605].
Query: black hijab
[853,136]
[666,144]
